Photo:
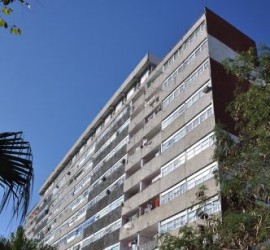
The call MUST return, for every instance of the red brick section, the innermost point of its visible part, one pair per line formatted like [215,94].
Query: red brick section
[226,33]
[223,87]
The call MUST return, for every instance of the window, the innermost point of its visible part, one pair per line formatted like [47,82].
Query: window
[94,237]
[195,122]
[200,146]
[201,176]
[130,93]
[144,76]
[173,192]
[173,116]
[189,80]
[110,207]
[188,154]
[173,164]
[168,82]
[98,130]
[118,106]
[107,119]
[186,43]
[189,215]
[187,184]
[113,247]
[173,222]
[80,213]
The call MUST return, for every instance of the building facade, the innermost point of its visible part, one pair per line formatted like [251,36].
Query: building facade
[134,172]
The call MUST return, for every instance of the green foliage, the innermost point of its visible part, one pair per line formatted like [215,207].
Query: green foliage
[202,235]
[18,241]
[190,238]
[16,31]
[244,173]
[7,11]
[244,161]
[3,23]
[16,172]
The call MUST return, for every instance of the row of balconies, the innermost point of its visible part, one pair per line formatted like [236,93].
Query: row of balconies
[103,202]
[106,164]
[107,240]
[68,214]
[106,182]
[149,119]
[157,83]
[152,169]
[153,216]
[112,130]
[103,222]
[72,183]
[110,147]
[139,157]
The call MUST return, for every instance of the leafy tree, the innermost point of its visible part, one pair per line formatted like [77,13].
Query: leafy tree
[6,10]
[4,243]
[201,236]
[16,173]
[18,241]
[244,167]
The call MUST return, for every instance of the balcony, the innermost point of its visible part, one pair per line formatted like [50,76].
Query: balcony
[133,180]
[149,205]
[141,197]
[153,122]
[186,73]
[143,173]
[134,158]
[137,122]
[139,91]
[146,221]
[132,192]
[138,214]
[155,84]
[151,145]
[146,239]
[135,139]
[153,106]
[139,101]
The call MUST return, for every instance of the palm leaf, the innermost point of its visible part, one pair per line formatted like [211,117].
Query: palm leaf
[16,173]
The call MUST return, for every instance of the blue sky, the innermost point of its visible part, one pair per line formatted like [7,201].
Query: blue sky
[71,58]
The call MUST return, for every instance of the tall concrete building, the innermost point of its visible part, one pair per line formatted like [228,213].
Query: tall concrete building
[134,172]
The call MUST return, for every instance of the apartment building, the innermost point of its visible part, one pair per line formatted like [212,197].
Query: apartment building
[134,172]
[171,133]
[80,205]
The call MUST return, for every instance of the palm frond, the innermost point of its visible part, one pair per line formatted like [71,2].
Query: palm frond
[16,173]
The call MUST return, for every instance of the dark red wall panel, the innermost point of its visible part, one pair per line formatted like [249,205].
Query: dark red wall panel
[227,33]
[223,87]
